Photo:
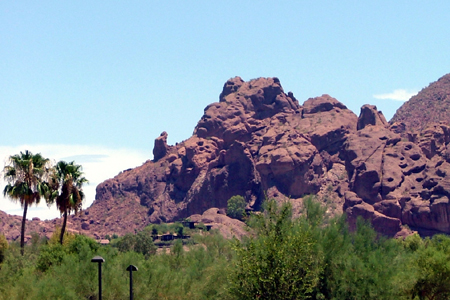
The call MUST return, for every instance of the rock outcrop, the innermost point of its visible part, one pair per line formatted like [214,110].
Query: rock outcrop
[258,142]
[370,116]
[227,226]
[161,148]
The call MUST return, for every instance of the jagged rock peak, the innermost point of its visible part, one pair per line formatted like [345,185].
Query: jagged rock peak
[430,105]
[242,106]
[267,91]
[371,116]
[231,86]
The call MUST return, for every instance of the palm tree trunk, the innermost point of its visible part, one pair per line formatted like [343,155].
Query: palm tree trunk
[63,229]
[22,235]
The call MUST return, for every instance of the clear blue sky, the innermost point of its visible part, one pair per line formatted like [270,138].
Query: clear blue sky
[85,79]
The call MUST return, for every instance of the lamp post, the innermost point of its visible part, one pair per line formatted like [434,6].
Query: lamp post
[131,268]
[99,260]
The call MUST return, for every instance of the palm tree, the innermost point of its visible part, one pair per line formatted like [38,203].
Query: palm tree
[26,176]
[66,184]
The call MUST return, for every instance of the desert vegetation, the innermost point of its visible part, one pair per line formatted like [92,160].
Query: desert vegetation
[31,177]
[236,207]
[26,174]
[310,257]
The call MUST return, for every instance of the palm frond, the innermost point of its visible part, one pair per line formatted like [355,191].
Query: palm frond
[69,177]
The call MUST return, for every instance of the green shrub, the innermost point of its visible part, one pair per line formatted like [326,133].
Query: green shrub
[54,239]
[50,255]
[144,244]
[200,226]
[236,207]
[140,243]
[281,262]
[3,247]
[80,241]
[432,268]
[360,264]
[126,243]
[179,229]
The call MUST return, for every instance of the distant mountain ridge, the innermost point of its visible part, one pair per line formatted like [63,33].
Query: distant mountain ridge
[430,105]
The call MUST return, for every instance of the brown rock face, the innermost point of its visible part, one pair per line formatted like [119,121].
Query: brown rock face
[258,140]
[405,182]
[255,140]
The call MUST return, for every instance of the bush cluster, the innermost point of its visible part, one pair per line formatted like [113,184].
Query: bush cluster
[310,257]
[236,207]
[315,257]
[54,271]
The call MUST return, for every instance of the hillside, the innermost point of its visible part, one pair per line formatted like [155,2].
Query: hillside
[430,105]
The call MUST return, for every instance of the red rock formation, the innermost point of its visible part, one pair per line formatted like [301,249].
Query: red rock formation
[370,116]
[255,140]
[405,182]
[258,140]
[161,148]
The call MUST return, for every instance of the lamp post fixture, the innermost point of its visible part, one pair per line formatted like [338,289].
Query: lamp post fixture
[131,268]
[99,260]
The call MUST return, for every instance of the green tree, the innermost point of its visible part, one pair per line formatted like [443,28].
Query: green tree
[140,243]
[236,207]
[154,231]
[282,260]
[432,265]
[50,255]
[26,174]
[56,236]
[360,264]
[79,241]
[126,243]
[179,229]
[67,190]
[144,244]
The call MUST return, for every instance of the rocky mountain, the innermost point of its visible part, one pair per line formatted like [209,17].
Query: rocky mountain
[430,105]
[255,141]
[258,142]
